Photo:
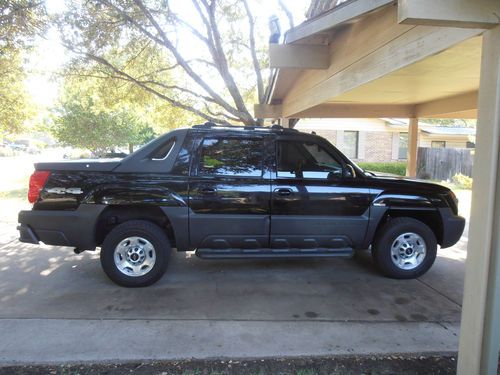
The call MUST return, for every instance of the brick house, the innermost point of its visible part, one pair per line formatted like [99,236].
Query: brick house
[387,139]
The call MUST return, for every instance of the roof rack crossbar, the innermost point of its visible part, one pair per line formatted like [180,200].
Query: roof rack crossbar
[213,125]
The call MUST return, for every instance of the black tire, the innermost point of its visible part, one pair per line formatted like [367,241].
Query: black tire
[147,231]
[388,234]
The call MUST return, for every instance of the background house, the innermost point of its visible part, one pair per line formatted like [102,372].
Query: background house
[384,140]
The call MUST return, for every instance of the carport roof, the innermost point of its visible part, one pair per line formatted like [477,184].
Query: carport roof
[361,59]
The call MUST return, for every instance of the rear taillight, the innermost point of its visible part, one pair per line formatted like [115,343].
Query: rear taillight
[37,182]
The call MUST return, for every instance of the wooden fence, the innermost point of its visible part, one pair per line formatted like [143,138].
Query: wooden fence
[444,163]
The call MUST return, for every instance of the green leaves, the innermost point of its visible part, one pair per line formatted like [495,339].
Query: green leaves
[100,114]
[203,57]
[78,124]
[20,22]
[15,105]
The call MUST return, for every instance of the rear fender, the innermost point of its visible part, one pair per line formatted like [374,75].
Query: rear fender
[173,205]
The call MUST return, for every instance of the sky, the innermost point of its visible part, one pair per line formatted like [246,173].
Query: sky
[49,56]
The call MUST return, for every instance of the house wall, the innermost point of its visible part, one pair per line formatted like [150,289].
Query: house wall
[425,140]
[378,147]
[377,142]
[330,135]
[374,145]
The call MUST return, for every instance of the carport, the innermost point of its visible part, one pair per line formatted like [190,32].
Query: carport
[412,59]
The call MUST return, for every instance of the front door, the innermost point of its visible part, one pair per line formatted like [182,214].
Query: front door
[314,205]
[230,193]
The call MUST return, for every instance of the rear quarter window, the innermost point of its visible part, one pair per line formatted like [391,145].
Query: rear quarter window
[162,152]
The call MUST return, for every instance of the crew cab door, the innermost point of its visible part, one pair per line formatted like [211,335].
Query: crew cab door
[229,193]
[314,204]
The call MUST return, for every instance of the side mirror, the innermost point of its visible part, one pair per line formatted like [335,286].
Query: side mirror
[349,171]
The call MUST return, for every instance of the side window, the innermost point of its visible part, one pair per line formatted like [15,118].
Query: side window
[297,159]
[162,152]
[403,146]
[231,157]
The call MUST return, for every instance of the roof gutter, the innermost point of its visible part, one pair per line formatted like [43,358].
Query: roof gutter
[343,13]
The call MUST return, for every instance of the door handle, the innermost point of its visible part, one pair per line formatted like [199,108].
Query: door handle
[208,191]
[284,192]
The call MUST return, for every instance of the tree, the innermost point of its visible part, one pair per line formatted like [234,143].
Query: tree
[100,114]
[15,104]
[205,59]
[20,22]
[76,123]
[462,123]
[111,94]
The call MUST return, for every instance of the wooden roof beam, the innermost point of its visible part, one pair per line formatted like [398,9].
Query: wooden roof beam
[451,13]
[466,104]
[339,110]
[348,110]
[299,56]
[263,111]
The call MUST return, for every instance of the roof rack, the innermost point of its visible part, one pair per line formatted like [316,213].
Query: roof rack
[213,125]
[280,128]
[210,125]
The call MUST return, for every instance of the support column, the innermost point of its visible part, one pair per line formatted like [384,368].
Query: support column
[411,168]
[480,331]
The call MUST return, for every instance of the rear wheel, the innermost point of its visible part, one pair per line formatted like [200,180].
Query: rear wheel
[404,248]
[135,253]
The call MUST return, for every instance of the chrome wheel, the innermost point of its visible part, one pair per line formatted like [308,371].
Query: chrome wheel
[134,256]
[408,251]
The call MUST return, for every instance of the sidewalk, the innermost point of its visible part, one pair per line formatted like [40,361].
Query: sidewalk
[60,340]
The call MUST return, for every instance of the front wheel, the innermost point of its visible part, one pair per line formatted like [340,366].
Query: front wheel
[404,248]
[135,253]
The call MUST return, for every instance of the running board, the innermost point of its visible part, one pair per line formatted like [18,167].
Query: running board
[273,253]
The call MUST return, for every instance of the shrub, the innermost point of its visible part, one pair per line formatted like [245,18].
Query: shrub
[462,181]
[396,167]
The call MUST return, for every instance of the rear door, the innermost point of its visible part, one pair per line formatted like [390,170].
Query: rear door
[314,203]
[230,193]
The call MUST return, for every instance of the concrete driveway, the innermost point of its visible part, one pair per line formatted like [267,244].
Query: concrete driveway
[57,307]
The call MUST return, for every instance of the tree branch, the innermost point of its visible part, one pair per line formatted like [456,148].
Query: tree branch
[220,114]
[187,68]
[253,52]
[221,62]
[289,14]
[147,88]
[125,77]
[146,22]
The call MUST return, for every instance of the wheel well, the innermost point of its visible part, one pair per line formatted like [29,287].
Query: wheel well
[429,217]
[115,215]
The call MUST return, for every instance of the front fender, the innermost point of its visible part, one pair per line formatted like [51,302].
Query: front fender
[406,201]
[385,202]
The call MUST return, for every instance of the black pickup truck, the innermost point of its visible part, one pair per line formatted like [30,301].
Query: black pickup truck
[236,192]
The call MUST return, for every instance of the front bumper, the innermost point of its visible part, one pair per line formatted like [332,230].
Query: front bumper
[453,227]
[61,228]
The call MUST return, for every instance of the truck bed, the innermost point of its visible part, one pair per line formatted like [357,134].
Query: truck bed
[79,165]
